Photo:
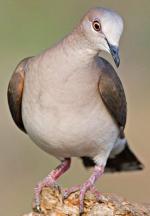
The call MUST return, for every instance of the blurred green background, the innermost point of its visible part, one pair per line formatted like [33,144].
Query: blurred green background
[28,27]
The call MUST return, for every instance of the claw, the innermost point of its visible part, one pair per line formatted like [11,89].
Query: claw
[37,208]
[65,195]
[56,185]
[81,209]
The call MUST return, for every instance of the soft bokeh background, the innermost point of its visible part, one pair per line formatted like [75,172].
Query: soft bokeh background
[28,27]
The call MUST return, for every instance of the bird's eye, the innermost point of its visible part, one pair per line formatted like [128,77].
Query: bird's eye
[96,25]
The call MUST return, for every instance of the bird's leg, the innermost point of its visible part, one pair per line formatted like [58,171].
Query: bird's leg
[98,171]
[50,180]
[88,185]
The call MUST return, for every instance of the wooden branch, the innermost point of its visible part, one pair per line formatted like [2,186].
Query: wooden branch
[52,204]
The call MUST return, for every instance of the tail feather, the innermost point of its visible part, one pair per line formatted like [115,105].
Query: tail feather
[124,161]
[88,162]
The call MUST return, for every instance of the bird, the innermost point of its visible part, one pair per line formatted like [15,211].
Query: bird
[71,102]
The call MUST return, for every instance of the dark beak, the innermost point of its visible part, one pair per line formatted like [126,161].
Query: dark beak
[114,50]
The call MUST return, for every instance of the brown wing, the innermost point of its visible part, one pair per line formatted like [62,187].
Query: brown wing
[112,94]
[14,93]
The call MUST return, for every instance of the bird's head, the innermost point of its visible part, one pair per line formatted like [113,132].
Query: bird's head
[103,28]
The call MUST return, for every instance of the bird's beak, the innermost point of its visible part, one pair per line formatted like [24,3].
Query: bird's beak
[114,50]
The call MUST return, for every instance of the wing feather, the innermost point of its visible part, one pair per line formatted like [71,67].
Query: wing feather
[113,95]
[15,92]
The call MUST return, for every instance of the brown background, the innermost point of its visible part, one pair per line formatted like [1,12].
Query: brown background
[28,27]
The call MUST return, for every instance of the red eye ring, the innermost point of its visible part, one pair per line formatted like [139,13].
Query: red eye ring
[96,25]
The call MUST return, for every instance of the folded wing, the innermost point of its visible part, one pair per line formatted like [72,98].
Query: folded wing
[15,92]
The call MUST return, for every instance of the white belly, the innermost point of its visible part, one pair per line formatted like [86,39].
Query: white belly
[67,132]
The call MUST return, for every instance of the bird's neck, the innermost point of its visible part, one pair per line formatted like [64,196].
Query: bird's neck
[74,56]
[76,46]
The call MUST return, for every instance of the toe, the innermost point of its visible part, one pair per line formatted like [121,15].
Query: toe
[81,207]
[67,192]
[37,192]
[81,198]
[96,193]
[47,182]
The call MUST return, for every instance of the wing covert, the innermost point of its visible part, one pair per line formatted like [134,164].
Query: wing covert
[14,93]
[113,95]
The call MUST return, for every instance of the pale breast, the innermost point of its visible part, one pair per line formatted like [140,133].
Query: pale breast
[65,115]
[65,131]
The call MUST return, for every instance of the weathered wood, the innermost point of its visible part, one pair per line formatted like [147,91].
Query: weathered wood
[52,204]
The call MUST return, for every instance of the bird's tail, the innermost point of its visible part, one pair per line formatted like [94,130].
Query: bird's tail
[124,161]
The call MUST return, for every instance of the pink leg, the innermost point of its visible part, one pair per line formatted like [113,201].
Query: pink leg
[98,171]
[88,185]
[50,180]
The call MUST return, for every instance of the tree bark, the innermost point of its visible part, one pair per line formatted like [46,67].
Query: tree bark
[52,204]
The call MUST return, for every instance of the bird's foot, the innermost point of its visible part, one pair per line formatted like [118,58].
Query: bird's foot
[88,185]
[50,181]
[83,189]
[47,182]
[68,191]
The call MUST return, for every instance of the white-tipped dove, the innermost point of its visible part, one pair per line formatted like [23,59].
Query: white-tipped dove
[71,102]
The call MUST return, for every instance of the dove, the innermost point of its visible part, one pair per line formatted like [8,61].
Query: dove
[71,102]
